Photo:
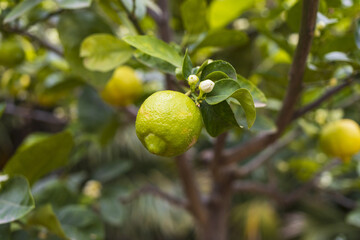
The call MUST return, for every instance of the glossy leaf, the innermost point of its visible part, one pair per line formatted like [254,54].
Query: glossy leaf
[222,12]
[218,65]
[72,31]
[256,93]
[156,48]
[223,89]
[80,223]
[74,4]
[246,101]
[187,65]
[21,9]
[193,13]
[217,118]
[104,52]
[44,216]
[15,199]
[154,62]
[35,160]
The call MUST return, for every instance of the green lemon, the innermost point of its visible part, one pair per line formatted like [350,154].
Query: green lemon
[341,139]
[11,53]
[123,88]
[168,123]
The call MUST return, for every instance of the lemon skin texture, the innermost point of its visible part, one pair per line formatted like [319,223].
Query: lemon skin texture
[168,123]
[123,88]
[341,139]
[11,53]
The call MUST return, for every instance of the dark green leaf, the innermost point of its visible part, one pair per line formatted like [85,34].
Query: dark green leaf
[41,157]
[5,231]
[217,118]
[74,4]
[15,199]
[187,65]
[21,9]
[80,223]
[72,31]
[223,89]
[216,75]
[110,171]
[154,62]
[256,93]
[244,97]
[223,38]
[218,65]
[104,52]
[193,13]
[156,48]
[45,216]
[293,18]
[2,108]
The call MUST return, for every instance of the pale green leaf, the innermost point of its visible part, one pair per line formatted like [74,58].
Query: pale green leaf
[193,13]
[21,9]
[74,4]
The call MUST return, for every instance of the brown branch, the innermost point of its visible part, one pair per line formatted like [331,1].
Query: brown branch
[151,190]
[257,188]
[308,21]
[190,188]
[34,114]
[264,156]
[218,152]
[309,13]
[346,82]
[37,39]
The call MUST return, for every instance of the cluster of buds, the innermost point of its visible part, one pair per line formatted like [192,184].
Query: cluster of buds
[205,86]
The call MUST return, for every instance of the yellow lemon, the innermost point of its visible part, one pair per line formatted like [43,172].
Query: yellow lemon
[168,123]
[341,139]
[123,88]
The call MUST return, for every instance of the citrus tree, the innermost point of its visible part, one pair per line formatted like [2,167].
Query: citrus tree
[182,119]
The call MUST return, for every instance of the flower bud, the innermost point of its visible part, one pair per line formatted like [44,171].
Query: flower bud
[193,79]
[92,189]
[206,86]
[320,25]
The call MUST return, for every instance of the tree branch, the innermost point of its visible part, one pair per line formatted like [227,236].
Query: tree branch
[132,17]
[218,152]
[257,188]
[152,190]
[45,18]
[32,37]
[346,82]
[190,188]
[264,156]
[308,21]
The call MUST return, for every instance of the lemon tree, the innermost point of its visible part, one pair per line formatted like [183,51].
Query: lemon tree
[123,88]
[341,139]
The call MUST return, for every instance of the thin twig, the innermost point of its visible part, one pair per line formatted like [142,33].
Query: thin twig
[34,114]
[152,190]
[45,18]
[346,82]
[190,188]
[264,156]
[257,188]
[132,17]
[37,39]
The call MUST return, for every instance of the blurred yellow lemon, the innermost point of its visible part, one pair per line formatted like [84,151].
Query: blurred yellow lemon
[123,88]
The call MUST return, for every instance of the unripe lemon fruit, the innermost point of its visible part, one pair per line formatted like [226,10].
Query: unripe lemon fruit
[123,88]
[168,123]
[11,53]
[341,139]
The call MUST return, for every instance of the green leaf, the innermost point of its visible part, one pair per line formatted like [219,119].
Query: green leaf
[222,90]
[154,62]
[15,199]
[227,88]
[193,13]
[353,218]
[80,223]
[246,101]
[222,12]
[45,216]
[218,65]
[216,75]
[2,108]
[45,155]
[21,9]
[293,18]
[74,4]
[5,231]
[104,52]
[256,93]
[72,31]
[187,65]
[156,48]
[223,38]
[217,118]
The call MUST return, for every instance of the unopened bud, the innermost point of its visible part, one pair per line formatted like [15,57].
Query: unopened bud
[92,189]
[206,86]
[321,25]
[193,79]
